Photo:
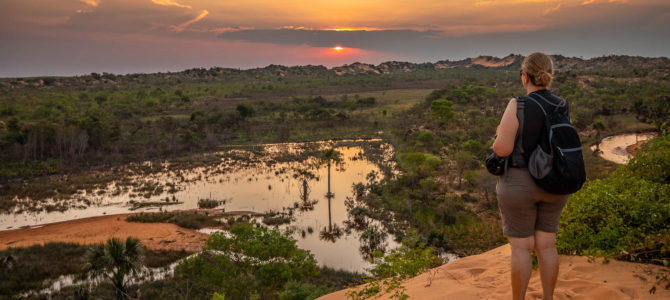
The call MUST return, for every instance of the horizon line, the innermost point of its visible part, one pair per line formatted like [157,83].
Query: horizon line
[311,65]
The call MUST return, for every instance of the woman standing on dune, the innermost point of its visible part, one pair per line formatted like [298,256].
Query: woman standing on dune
[530,215]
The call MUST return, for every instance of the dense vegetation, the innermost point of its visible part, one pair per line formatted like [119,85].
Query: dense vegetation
[625,215]
[51,125]
[250,262]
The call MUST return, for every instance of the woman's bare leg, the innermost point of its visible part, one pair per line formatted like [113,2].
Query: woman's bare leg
[522,265]
[547,256]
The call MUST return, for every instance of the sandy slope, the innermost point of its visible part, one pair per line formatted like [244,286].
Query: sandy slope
[98,229]
[486,276]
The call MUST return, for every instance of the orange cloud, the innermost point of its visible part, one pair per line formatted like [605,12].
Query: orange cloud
[182,26]
[552,9]
[229,29]
[354,29]
[93,3]
[295,27]
[587,2]
[170,3]
[496,2]
[89,4]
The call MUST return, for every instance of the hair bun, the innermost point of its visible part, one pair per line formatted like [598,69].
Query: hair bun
[543,78]
[540,67]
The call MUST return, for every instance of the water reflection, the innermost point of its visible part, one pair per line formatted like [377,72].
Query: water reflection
[373,239]
[304,176]
[279,178]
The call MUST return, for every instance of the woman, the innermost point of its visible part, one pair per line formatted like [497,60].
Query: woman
[530,215]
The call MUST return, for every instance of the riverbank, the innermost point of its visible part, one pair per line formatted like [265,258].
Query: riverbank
[156,236]
[487,276]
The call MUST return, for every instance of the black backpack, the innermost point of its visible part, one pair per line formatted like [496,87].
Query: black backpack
[557,164]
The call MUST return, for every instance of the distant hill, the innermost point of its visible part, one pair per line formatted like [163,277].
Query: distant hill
[512,61]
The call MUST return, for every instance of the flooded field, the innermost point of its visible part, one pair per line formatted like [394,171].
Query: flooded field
[289,181]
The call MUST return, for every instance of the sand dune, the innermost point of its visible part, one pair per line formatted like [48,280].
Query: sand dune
[486,276]
[98,229]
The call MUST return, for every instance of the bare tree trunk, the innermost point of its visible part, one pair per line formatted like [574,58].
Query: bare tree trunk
[305,192]
[329,196]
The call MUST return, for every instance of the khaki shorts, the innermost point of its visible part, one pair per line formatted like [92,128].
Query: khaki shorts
[525,207]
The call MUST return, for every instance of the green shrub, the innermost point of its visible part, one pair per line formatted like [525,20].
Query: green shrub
[186,220]
[208,203]
[626,215]
[247,262]
[442,110]
[414,161]
[409,260]
[272,219]
[425,137]
[303,291]
[151,217]
[192,221]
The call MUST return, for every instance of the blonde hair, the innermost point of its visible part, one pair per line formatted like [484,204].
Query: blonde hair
[540,68]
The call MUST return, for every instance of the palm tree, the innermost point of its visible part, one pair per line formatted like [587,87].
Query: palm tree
[114,260]
[331,234]
[304,176]
[330,156]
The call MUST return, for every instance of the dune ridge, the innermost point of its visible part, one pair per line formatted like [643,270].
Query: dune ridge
[486,276]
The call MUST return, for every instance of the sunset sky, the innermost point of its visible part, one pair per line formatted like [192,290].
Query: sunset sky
[69,37]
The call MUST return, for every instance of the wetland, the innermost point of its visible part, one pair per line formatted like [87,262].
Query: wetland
[284,185]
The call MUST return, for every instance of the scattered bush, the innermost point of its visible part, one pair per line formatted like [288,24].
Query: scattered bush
[209,203]
[186,220]
[161,217]
[191,221]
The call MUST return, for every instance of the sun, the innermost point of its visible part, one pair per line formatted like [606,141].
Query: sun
[338,48]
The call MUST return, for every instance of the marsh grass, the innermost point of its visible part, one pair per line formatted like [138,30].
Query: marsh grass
[190,220]
[275,218]
[35,267]
[210,203]
[135,205]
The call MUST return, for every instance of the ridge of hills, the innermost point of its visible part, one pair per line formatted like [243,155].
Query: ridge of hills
[510,62]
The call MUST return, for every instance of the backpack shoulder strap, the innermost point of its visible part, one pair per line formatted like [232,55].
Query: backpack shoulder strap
[517,153]
[561,104]
[548,127]
[520,106]
[538,104]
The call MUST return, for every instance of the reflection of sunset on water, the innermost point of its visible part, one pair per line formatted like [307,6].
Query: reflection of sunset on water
[256,181]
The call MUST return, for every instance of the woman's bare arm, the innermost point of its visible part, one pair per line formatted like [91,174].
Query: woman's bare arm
[504,143]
